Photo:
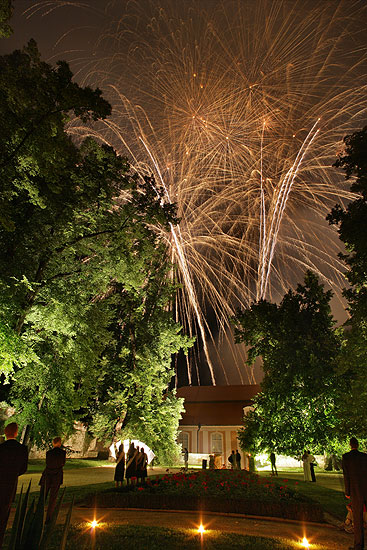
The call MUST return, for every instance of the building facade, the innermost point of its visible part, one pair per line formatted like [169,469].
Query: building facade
[213,415]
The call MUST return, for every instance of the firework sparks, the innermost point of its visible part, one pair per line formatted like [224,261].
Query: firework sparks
[223,107]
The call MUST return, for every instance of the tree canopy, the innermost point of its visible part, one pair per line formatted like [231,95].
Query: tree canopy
[352,227]
[85,330]
[299,347]
[6,9]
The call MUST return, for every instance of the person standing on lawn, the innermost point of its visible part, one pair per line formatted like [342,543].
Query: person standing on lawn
[312,462]
[120,466]
[131,464]
[139,465]
[238,460]
[306,467]
[13,463]
[354,466]
[232,460]
[142,474]
[274,471]
[53,475]
[186,458]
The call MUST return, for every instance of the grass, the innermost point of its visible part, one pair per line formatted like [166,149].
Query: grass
[131,537]
[326,491]
[37,465]
[78,492]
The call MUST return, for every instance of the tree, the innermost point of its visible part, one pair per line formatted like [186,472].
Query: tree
[83,273]
[132,400]
[38,158]
[6,9]
[352,228]
[299,347]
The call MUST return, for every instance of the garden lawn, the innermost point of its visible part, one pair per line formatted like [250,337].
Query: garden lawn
[131,537]
[327,491]
[36,465]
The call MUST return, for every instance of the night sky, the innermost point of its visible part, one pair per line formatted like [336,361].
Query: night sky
[100,34]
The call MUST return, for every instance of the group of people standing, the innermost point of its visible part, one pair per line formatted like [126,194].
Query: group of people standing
[14,462]
[309,463]
[131,465]
[235,460]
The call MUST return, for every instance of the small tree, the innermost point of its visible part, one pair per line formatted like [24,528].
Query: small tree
[299,347]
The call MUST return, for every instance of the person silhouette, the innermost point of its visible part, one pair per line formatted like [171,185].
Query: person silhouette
[274,471]
[13,463]
[354,466]
[53,475]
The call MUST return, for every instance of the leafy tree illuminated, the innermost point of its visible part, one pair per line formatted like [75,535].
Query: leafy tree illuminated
[83,275]
[352,227]
[299,347]
[6,9]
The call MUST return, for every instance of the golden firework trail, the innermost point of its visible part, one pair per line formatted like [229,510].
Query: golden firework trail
[238,108]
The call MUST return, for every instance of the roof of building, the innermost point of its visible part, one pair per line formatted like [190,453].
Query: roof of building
[215,405]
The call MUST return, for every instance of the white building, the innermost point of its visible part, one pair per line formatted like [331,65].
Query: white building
[213,415]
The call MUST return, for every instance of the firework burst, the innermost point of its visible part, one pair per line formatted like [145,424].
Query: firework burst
[238,109]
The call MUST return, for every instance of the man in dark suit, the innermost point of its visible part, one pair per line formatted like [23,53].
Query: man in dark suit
[52,475]
[13,463]
[355,481]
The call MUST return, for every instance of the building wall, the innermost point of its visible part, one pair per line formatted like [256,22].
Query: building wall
[199,442]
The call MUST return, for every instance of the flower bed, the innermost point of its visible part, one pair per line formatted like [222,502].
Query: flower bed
[227,491]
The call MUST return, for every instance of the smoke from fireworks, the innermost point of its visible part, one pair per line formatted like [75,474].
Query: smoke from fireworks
[238,109]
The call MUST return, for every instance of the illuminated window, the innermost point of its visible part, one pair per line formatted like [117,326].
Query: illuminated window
[183,440]
[216,443]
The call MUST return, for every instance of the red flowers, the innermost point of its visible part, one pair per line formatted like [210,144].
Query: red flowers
[216,483]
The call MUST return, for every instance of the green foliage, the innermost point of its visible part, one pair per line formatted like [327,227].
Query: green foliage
[352,228]
[85,330]
[299,347]
[37,156]
[6,9]
[29,531]
[351,220]
[132,399]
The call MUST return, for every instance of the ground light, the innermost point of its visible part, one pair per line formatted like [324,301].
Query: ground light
[305,543]
[94,524]
[201,529]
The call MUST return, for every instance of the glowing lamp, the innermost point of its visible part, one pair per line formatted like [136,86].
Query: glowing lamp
[94,524]
[305,543]
[201,529]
